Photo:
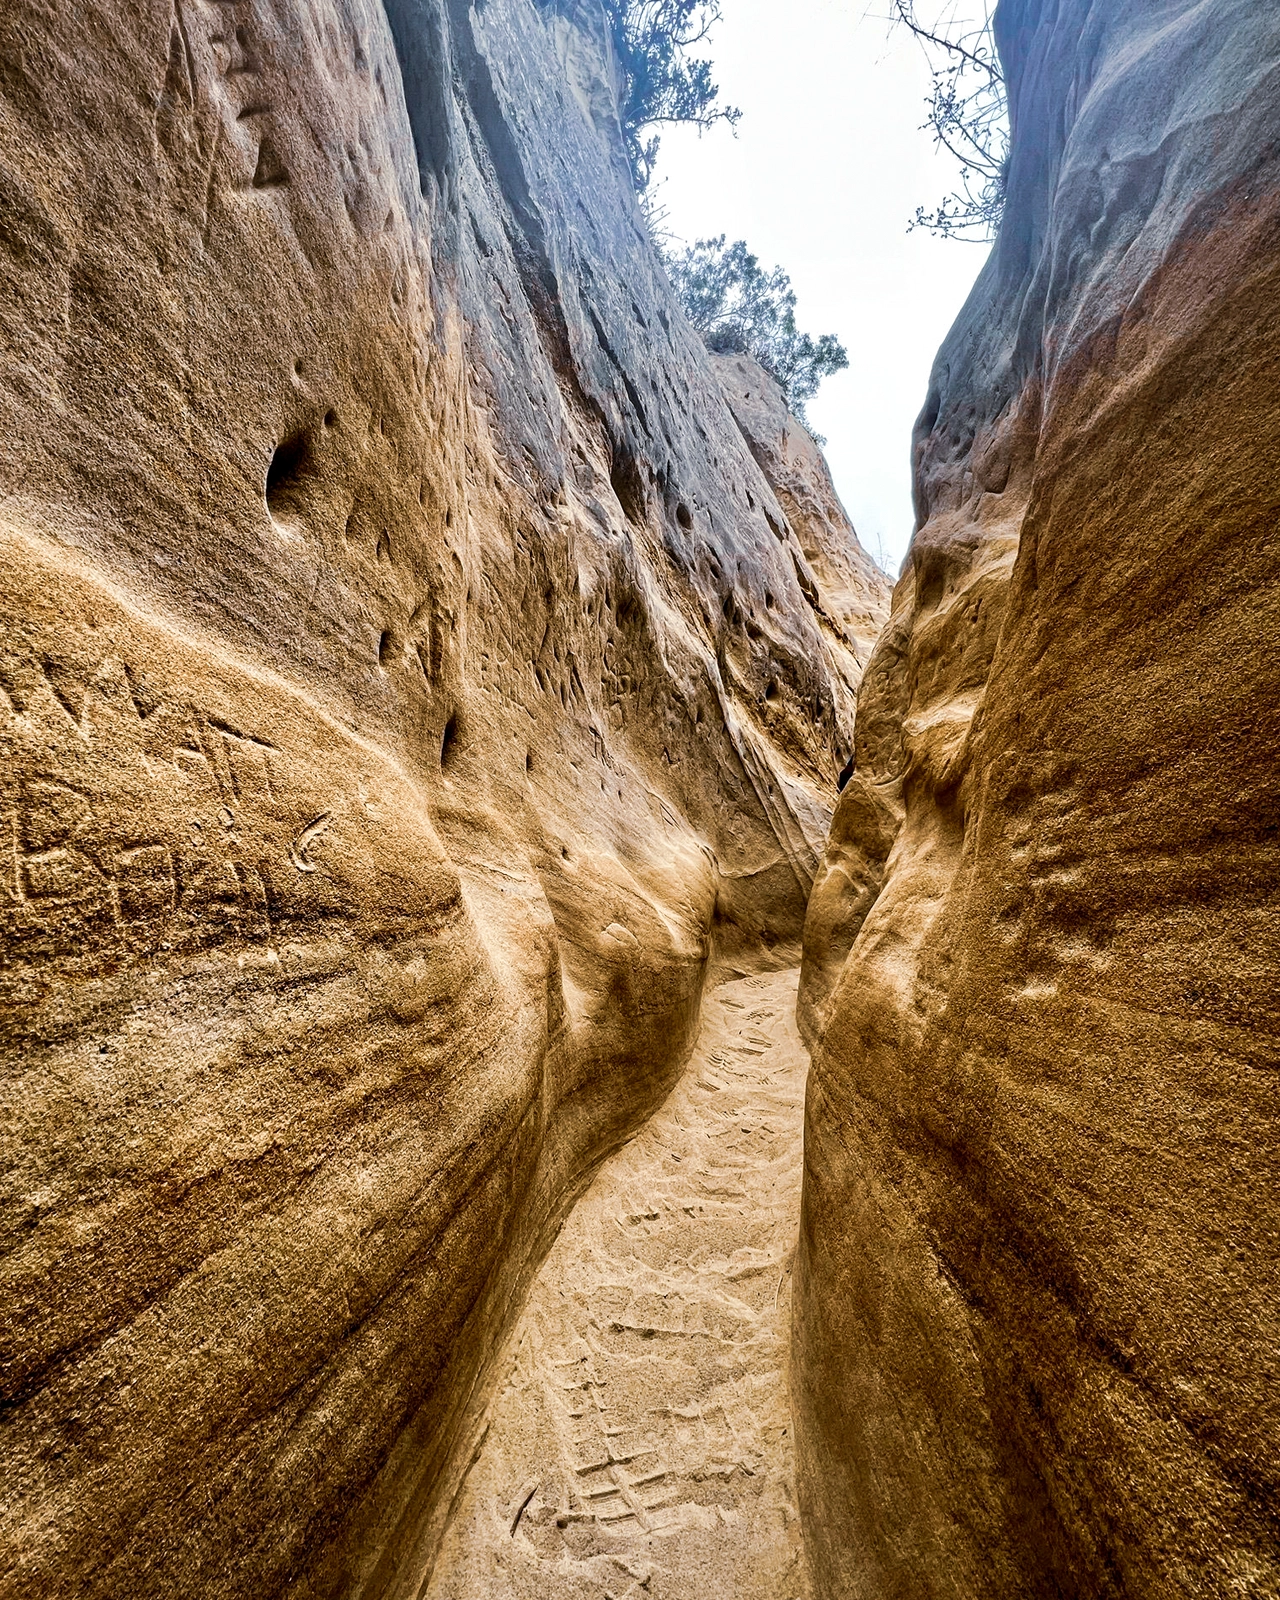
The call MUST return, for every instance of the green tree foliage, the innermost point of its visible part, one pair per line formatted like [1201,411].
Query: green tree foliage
[737,306]
[661,81]
[734,304]
[968,115]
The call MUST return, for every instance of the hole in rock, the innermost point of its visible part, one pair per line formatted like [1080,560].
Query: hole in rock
[628,485]
[385,647]
[291,465]
[449,743]
[684,516]
[270,171]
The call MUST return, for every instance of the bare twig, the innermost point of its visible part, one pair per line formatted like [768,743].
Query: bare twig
[968,117]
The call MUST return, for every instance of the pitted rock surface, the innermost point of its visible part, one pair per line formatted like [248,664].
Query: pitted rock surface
[1040,1262]
[394,728]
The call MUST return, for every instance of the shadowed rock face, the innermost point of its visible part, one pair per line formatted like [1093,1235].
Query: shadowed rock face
[1036,1325]
[394,724]
[852,609]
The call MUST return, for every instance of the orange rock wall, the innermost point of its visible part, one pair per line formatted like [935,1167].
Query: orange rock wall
[1040,1258]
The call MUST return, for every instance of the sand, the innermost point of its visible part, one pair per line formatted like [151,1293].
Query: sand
[642,1444]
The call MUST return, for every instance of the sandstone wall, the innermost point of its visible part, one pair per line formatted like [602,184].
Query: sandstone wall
[1037,1323]
[843,584]
[410,682]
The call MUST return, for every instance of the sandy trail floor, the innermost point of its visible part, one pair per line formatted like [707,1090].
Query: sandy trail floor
[641,1448]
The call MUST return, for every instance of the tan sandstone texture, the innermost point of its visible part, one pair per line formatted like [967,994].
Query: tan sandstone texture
[1038,1311]
[410,684]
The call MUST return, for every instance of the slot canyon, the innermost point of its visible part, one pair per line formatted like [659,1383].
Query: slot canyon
[564,1037]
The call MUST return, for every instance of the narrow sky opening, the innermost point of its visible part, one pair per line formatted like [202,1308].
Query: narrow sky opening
[822,177]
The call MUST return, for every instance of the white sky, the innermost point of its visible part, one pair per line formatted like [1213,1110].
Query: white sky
[826,169]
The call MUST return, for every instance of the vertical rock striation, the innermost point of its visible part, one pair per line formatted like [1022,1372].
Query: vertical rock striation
[393,722]
[839,579]
[1040,1266]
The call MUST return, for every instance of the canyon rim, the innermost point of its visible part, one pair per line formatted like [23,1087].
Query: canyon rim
[424,676]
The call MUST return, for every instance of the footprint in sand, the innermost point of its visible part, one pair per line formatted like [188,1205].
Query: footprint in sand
[641,1447]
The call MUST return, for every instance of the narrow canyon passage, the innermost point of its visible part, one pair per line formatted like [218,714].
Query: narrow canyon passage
[642,1444]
